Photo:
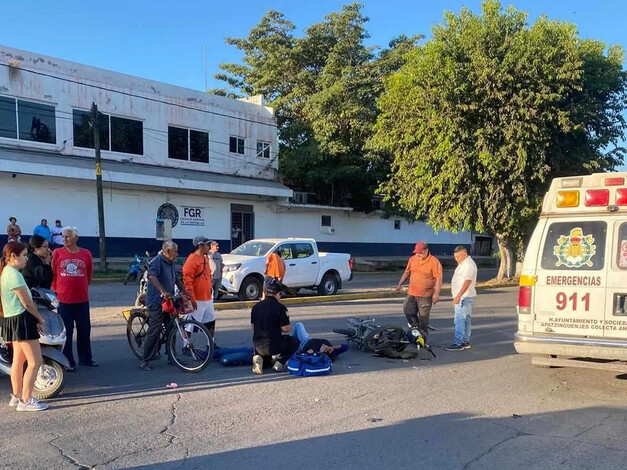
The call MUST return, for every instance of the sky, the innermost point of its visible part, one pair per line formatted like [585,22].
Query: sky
[163,40]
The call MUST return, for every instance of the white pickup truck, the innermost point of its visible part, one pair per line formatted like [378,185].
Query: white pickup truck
[305,267]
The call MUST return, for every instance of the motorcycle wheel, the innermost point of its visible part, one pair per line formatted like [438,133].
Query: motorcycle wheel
[127,278]
[50,380]
[381,337]
[136,330]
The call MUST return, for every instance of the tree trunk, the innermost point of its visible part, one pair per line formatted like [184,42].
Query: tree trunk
[507,262]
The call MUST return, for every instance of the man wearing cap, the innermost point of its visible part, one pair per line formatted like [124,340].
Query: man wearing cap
[13,230]
[197,280]
[217,265]
[271,326]
[57,235]
[425,281]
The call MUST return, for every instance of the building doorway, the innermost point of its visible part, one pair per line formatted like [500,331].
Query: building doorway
[242,224]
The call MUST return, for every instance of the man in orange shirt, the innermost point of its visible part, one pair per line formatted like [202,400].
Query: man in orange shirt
[197,280]
[425,281]
[275,269]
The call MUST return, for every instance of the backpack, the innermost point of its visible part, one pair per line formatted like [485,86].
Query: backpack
[309,365]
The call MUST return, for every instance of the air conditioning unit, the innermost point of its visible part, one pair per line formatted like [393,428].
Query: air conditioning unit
[327,230]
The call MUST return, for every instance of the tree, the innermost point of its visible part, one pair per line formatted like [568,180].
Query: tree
[324,88]
[481,118]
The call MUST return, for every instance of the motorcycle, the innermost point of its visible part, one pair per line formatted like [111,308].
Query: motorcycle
[136,269]
[51,375]
[140,299]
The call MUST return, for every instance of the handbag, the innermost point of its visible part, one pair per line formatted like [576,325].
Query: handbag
[309,365]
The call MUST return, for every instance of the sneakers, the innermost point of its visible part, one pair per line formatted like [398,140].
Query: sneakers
[31,405]
[257,364]
[279,366]
[14,401]
[466,345]
[455,347]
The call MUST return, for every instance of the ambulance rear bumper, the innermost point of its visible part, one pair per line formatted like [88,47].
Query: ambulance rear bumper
[595,348]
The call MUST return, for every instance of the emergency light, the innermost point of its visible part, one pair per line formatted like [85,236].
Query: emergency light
[614,181]
[621,197]
[567,199]
[597,197]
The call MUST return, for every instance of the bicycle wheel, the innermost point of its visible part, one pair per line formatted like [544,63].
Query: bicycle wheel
[136,330]
[190,345]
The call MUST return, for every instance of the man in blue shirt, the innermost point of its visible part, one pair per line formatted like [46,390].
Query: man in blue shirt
[162,278]
[43,230]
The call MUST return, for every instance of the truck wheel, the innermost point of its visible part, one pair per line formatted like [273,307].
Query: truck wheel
[328,285]
[251,289]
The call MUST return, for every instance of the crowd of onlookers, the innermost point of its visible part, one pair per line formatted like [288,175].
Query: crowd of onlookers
[53,260]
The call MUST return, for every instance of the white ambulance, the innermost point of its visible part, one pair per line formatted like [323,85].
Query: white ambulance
[573,285]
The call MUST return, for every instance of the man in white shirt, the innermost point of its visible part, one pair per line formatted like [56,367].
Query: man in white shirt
[464,293]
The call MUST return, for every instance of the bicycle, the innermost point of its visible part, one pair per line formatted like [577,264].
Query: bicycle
[188,343]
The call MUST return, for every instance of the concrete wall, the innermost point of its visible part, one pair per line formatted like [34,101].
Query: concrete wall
[67,86]
[131,214]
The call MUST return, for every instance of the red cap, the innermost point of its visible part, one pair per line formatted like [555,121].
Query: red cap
[420,247]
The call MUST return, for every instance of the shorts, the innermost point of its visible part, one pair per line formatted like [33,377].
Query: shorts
[205,312]
[22,327]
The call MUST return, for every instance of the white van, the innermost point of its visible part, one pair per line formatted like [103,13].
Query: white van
[573,284]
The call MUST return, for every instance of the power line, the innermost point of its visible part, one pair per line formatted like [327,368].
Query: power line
[125,93]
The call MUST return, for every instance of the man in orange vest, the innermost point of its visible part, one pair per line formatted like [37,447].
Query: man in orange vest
[275,269]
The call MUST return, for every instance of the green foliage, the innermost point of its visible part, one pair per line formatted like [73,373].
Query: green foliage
[482,116]
[324,88]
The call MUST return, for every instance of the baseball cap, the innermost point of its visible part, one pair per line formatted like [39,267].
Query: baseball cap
[420,247]
[200,240]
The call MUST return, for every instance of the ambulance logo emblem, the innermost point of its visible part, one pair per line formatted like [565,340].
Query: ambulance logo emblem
[575,250]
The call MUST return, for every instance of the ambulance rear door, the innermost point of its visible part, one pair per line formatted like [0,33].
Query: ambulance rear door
[570,289]
[615,306]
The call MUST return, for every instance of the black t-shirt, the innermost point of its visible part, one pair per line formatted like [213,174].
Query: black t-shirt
[267,318]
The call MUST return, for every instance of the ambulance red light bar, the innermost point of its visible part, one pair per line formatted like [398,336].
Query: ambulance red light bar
[597,197]
[614,181]
[621,197]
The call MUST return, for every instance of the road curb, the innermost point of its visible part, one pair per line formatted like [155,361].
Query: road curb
[345,297]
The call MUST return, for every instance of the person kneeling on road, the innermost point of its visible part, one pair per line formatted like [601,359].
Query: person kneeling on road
[197,280]
[163,278]
[270,325]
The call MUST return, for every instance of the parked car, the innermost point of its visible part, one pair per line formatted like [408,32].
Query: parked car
[306,267]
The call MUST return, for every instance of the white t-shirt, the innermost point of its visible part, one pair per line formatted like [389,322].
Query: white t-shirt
[467,269]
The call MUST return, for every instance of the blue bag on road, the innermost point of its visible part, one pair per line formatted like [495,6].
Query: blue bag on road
[309,365]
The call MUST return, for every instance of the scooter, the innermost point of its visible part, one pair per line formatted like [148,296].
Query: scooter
[140,298]
[51,376]
[136,269]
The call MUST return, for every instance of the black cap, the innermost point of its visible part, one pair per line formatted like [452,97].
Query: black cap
[273,286]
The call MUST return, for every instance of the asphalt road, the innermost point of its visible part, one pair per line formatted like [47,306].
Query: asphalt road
[482,408]
[115,294]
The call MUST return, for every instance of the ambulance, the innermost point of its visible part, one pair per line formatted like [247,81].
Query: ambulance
[573,284]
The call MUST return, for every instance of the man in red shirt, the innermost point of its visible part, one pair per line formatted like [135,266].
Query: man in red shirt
[72,270]
[425,281]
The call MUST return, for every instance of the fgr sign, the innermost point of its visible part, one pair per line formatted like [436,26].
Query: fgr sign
[193,216]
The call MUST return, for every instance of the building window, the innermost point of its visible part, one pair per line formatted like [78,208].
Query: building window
[84,132]
[326,221]
[188,145]
[28,121]
[263,149]
[8,118]
[397,224]
[236,145]
[127,135]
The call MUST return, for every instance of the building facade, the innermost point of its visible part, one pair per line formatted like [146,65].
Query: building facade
[207,163]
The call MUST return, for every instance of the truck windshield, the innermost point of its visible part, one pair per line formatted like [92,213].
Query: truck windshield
[253,248]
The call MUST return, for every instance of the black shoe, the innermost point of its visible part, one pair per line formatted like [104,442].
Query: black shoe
[145,366]
[89,364]
[455,347]
[466,345]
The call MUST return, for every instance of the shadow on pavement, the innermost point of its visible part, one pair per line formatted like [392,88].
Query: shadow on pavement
[574,439]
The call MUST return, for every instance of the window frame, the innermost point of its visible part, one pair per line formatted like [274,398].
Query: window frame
[621,228]
[548,260]
[188,132]
[265,149]
[237,145]
[111,118]
[88,112]
[397,224]
[297,251]
[16,114]
[322,217]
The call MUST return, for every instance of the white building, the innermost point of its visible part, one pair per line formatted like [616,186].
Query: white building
[208,163]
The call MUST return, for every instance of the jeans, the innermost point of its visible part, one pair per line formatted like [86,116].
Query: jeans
[79,314]
[463,314]
[417,311]
[300,332]
[215,287]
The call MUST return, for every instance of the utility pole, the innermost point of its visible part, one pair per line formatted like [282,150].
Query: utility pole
[95,119]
